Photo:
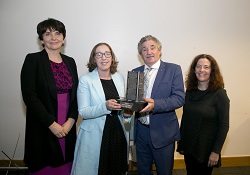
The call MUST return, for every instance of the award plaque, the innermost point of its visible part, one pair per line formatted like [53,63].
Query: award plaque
[134,93]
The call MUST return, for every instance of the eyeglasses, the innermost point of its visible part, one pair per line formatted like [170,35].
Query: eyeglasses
[100,54]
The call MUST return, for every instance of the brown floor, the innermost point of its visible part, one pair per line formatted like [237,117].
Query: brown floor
[240,170]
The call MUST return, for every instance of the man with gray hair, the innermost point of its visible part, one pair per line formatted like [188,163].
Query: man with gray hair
[156,125]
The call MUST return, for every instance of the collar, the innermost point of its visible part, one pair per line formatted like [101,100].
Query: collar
[155,66]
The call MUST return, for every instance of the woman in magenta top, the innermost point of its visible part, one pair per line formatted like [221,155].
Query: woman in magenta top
[48,82]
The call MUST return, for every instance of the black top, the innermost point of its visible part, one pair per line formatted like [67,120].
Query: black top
[113,155]
[205,123]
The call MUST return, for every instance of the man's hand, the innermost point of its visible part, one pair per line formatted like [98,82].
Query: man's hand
[150,106]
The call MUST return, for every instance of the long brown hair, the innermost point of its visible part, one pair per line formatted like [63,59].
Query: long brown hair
[216,80]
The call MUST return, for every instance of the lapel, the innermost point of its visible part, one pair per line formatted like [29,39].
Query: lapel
[141,69]
[48,73]
[118,84]
[97,85]
[158,79]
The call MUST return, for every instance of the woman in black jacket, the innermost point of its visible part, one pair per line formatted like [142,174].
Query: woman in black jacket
[48,82]
[205,119]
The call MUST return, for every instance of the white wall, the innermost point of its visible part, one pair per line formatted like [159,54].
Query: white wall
[185,28]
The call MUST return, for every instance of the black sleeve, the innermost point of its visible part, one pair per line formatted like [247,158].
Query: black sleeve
[222,103]
[29,92]
[73,110]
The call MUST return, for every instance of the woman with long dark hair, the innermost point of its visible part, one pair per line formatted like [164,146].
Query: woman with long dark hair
[205,119]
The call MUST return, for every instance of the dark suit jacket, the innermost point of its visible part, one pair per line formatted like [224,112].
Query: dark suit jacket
[39,92]
[168,94]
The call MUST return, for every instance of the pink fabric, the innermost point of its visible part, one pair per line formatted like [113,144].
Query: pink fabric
[63,106]
[61,170]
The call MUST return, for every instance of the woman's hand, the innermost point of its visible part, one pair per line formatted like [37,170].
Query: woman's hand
[112,104]
[213,159]
[68,125]
[57,130]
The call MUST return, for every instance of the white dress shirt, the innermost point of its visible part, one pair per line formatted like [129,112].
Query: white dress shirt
[152,75]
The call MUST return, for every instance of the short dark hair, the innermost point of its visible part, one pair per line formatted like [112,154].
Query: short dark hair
[216,80]
[92,64]
[51,24]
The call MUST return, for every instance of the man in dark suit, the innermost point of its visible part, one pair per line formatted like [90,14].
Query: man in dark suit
[156,126]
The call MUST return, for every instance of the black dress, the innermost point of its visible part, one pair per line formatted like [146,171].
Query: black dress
[113,155]
[204,127]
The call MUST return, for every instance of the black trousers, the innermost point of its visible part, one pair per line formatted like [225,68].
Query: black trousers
[194,167]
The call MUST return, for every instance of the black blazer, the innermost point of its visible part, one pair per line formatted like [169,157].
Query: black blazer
[39,93]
